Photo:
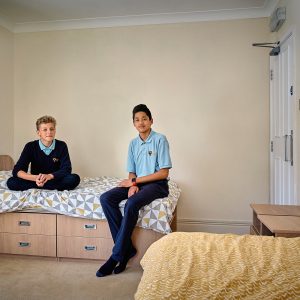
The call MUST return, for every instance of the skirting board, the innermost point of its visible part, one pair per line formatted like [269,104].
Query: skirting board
[214,226]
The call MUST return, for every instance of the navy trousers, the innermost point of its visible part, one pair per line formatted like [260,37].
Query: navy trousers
[121,228]
[69,182]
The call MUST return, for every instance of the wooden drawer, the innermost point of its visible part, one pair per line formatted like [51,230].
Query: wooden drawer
[29,223]
[80,247]
[70,226]
[27,244]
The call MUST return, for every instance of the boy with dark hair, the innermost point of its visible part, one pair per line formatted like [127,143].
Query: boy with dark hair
[49,161]
[148,165]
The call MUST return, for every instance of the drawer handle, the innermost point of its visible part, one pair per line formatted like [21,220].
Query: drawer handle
[90,226]
[24,244]
[90,248]
[24,223]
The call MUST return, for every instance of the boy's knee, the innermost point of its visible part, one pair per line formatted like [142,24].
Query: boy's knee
[104,199]
[71,181]
[76,179]
[132,207]
[11,184]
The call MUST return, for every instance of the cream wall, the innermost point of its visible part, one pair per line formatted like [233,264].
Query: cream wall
[292,23]
[6,91]
[207,88]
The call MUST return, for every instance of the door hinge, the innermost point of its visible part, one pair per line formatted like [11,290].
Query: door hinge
[271,146]
[271,75]
[292,90]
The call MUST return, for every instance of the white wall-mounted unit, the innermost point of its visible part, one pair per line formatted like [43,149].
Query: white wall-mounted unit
[277,18]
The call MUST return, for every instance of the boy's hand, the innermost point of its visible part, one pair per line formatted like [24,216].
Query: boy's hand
[39,181]
[133,190]
[125,183]
[43,178]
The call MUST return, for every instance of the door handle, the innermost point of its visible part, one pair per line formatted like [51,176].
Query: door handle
[288,148]
[285,146]
[291,148]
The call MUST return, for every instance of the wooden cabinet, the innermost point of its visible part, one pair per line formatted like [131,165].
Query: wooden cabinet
[54,235]
[28,233]
[82,238]
[276,220]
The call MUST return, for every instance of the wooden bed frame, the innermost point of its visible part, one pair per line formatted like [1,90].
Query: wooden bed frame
[63,237]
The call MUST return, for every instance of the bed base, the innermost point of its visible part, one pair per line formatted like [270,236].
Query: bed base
[64,237]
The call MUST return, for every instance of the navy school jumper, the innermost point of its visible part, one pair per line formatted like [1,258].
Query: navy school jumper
[56,163]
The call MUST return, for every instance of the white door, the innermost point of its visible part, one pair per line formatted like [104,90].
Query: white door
[282,125]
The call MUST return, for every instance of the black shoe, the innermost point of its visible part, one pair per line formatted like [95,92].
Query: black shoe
[123,263]
[107,268]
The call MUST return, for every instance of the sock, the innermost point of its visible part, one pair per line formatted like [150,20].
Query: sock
[107,268]
[123,263]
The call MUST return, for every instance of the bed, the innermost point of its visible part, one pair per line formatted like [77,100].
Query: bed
[220,266]
[81,209]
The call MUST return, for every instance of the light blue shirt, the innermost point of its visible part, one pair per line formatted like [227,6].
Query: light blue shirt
[47,150]
[148,157]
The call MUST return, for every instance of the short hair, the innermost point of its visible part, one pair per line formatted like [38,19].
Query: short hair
[44,120]
[143,108]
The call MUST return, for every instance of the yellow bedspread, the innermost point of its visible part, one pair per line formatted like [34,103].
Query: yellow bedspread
[221,266]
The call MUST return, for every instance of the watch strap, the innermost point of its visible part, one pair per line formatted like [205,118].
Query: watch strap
[133,180]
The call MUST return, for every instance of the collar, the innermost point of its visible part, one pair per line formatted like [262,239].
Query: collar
[149,138]
[47,150]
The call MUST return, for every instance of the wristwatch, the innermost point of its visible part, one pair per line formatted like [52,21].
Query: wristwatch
[133,180]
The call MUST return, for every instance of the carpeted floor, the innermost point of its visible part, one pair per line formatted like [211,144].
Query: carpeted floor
[34,278]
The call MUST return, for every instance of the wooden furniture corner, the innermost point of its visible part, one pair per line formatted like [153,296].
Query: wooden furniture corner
[275,220]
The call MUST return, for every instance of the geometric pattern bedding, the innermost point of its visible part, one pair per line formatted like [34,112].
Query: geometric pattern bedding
[220,266]
[84,201]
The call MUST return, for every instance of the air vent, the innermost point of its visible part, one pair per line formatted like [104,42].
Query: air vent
[277,18]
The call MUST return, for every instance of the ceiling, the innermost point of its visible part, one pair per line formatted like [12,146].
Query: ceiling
[17,15]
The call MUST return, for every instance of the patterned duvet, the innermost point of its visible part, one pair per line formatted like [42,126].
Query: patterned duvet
[84,201]
[220,266]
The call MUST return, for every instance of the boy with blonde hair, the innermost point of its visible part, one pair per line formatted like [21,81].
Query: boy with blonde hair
[49,160]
